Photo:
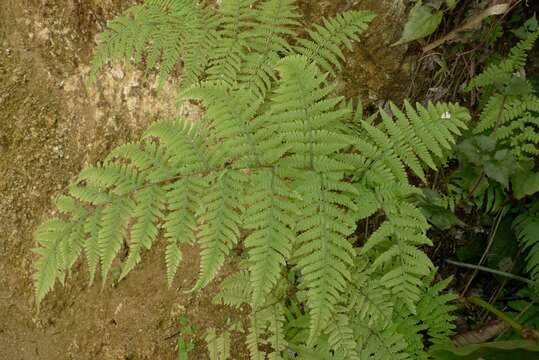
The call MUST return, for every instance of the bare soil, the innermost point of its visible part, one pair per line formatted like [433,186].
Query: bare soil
[52,124]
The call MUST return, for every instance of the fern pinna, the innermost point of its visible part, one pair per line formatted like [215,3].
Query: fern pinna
[276,156]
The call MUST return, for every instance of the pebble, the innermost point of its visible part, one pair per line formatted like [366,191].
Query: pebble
[117,73]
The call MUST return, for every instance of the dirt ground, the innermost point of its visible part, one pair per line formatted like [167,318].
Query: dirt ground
[52,124]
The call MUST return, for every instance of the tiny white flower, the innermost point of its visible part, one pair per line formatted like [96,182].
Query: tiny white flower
[520,73]
[446,115]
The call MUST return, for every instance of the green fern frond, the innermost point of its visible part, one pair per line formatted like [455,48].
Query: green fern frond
[267,328]
[150,203]
[341,336]
[276,164]
[235,35]
[266,323]
[147,157]
[513,121]
[118,179]
[276,338]
[48,267]
[380,343]
[114,225]
[370,301]
[501,74]
[89,194]
[185,145]
[511,112]
[230,115]
[325,253]
[394,247]
[527,230]
[91,244]
[434,310]
[183,202]
[412,330]
[219,221]
[163,30]
[417,137]
[198,47]
[271,215]
[276,20]
[218,345]
[323,47]
[235,290]
[254,337]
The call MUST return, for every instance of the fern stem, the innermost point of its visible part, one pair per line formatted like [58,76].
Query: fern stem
[526,333]
[475,185]
[498,292]
[499,116]
[492,271]
[484,256]
[521,313]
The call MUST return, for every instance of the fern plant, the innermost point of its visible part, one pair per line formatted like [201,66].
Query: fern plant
[498,159]
[512,107]
[279,157]
[503,145]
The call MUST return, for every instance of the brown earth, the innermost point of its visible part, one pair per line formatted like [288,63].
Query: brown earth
[52,124]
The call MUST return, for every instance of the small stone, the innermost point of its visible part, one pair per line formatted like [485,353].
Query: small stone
[132,103]
[117,73]
[44,35]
